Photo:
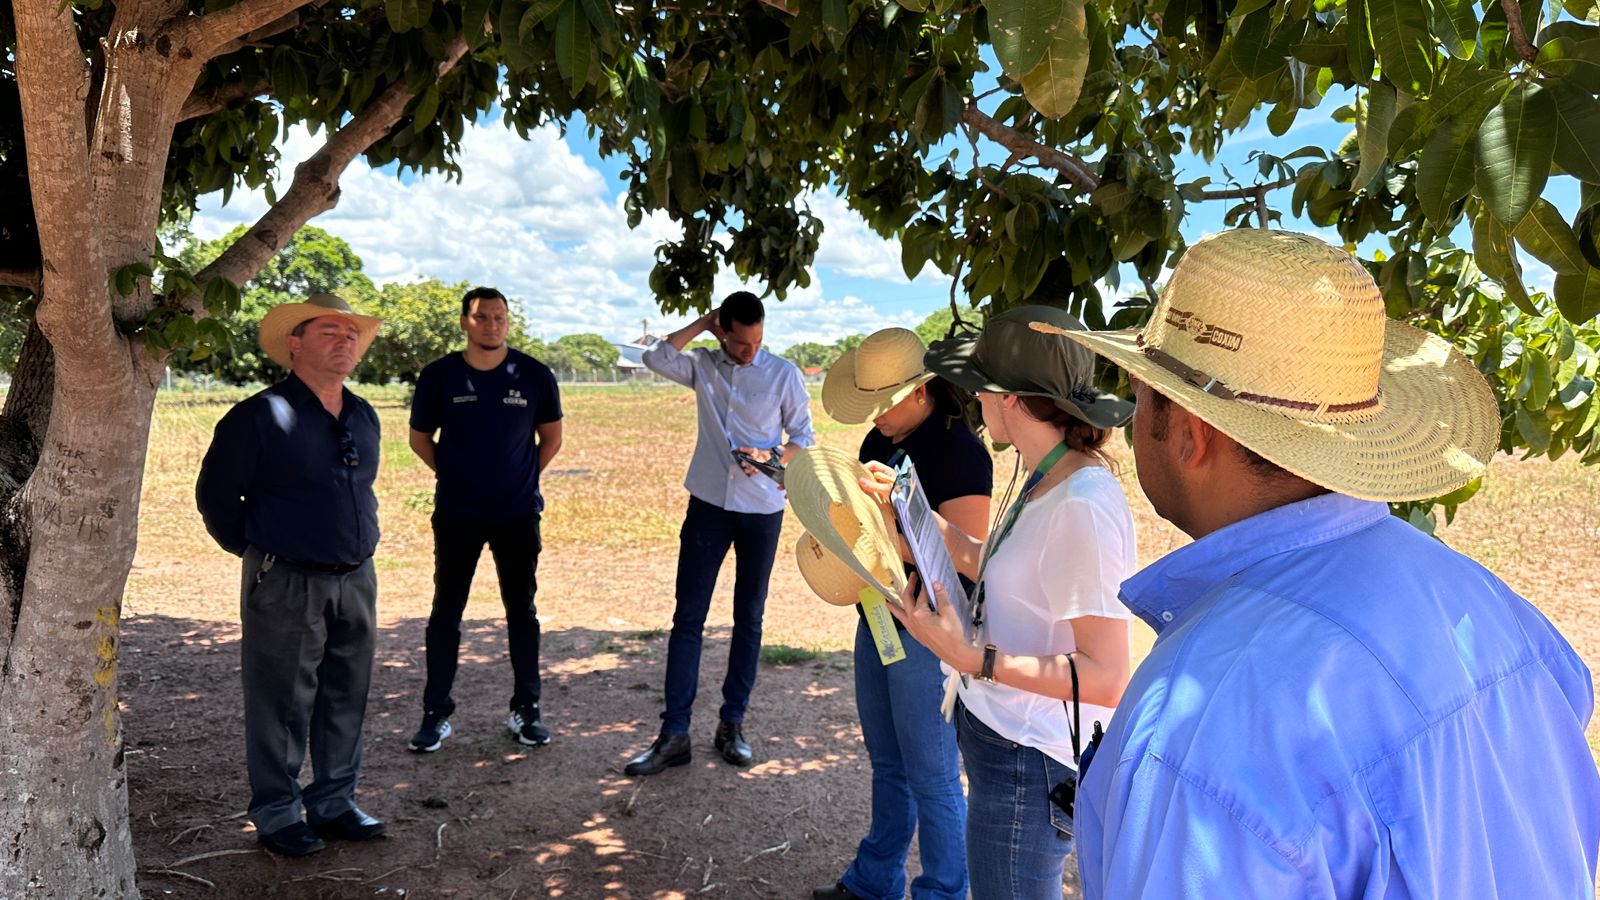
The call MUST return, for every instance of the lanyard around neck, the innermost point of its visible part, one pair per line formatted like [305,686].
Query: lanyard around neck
[1006,522]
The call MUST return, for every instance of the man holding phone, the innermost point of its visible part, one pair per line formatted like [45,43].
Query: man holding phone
[746,400]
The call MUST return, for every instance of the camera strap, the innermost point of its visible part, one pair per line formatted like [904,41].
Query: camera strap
[1074,713]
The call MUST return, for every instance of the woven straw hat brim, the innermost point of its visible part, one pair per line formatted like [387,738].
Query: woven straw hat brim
[846,403]
[824,488]
[826,575]
[281,320]
[1438,428]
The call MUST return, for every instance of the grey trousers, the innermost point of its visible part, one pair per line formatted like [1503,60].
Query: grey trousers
[306,664]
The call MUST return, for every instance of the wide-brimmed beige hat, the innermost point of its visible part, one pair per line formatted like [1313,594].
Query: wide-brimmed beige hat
[881,371]
[826,574]
[824,488]
[1280,341]
[281,320]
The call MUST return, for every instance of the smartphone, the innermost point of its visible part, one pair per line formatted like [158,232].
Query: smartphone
[772,468]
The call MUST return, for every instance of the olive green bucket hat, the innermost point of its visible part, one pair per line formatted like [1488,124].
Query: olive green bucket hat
[1009,357]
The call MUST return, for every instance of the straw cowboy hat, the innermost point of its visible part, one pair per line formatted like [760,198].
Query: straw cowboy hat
[281,320]
[825,493]
[1280,341]
[883,370]
[827,575]
[1009,357]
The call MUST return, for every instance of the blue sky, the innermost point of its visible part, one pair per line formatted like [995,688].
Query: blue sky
[542,220]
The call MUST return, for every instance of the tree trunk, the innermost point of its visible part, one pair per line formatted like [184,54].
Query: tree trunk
[63,790]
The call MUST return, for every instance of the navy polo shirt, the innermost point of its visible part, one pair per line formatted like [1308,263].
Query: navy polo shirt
[276,477]
[487,460]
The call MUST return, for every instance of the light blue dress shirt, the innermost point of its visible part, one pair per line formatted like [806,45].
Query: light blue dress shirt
[736,406]
[1338,706]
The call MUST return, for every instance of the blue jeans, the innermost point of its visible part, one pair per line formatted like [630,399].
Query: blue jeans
[916,778]
[708,532]
[1017,840]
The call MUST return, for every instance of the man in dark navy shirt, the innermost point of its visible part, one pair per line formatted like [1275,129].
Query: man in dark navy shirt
[497,414]
[287,485]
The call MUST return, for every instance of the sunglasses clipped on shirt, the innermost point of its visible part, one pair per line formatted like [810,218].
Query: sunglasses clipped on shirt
[347,445]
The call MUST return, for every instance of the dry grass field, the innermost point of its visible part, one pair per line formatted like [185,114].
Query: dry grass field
[614,503]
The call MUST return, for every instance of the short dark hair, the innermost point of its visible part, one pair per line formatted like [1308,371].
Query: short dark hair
[742,307]
[1157,410]
[480,293]
[300,330]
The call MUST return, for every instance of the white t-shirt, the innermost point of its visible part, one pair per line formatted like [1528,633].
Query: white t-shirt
[1066,556]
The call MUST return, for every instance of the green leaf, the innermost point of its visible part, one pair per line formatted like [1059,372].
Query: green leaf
[538,11]
[573,45]
[397,14]
[1457,27]
[1358,40]
[1577,127]
[1373,127]
[1533,389]
[1578,295]
[601,16]
[1052,87]
[1445,171]
[1253,48]
[1022,30]
[426,109]
[1515,147]
[518,57]
[1547,236]
[475,22]
[1537,439]
[1404,45]
[1495,255]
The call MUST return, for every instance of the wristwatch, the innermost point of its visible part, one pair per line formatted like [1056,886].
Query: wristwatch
[986,674]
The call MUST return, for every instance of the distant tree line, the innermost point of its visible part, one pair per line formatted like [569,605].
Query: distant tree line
[421,319]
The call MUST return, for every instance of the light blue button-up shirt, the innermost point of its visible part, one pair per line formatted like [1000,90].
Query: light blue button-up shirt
[1338,706]
[736,406]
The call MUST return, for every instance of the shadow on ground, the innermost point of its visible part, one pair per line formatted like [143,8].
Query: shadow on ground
[484,816]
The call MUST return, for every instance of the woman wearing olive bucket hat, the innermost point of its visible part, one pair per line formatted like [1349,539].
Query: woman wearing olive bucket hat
[1046,600]
[916,770]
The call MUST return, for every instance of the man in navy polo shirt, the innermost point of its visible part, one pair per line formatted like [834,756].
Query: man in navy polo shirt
[497,416]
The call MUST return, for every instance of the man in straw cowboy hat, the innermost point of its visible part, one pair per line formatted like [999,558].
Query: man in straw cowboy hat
[287,485]
[1336,705]
[745,400]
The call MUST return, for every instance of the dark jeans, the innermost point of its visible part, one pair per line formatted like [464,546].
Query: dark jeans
[708,532]
[457,544]
[306,662]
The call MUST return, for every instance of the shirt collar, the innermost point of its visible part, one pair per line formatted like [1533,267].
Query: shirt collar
[1165,591]
[300,394]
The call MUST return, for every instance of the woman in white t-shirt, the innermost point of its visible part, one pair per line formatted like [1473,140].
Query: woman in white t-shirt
[1046,601]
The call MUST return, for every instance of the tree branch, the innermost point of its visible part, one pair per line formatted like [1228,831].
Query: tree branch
[1075,169]
[223,97]
[208,35]
[1519,34]
[1246,193]
[52,84]
[315,188]
[30,279]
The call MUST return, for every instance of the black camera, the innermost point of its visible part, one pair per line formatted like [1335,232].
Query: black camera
[1065,794]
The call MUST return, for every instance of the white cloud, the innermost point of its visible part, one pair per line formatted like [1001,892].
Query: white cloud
[535,219]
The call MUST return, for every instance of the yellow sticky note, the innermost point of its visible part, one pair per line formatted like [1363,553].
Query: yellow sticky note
[881,623]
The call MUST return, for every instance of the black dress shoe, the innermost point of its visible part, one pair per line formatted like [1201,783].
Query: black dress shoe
[293,840]
[835,891]
[730,743]
[351,825]
[669,750]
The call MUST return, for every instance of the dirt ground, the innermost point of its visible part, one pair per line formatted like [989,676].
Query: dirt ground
[487,818]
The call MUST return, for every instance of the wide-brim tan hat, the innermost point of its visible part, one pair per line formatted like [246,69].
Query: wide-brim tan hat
[827,575]
[279,321]
[824,488]
[865,382]
[1280,341]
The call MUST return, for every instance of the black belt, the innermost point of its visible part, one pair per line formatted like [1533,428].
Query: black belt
[271,559]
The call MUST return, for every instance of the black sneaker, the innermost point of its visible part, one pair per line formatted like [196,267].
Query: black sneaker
[430,737]
[525,726]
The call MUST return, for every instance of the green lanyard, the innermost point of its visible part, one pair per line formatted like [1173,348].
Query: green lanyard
[993,543]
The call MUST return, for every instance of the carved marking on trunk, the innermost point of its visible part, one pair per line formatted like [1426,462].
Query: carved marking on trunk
[91,836]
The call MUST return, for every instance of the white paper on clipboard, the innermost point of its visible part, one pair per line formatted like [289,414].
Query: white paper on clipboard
[928,552]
